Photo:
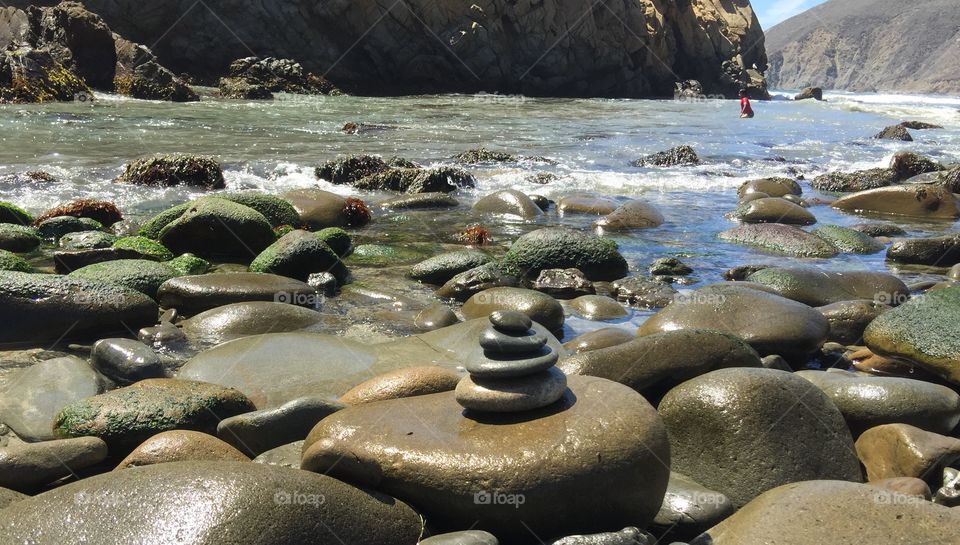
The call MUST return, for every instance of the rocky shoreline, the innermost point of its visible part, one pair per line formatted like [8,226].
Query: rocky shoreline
[201,342]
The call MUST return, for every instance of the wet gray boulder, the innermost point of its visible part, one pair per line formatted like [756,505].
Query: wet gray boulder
[816,287]
[217,227]
[298,254]
[690,508]
[126,361]
[465,285]
[30,466]
[143,275]
[257,432]
[680,155]
[508,202]
[894,132]
[943,251]
[222,324]
[861,180]
[194,294]
[440,269]
[780,238]
[560,248]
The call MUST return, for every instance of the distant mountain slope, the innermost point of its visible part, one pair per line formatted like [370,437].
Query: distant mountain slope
[869,45]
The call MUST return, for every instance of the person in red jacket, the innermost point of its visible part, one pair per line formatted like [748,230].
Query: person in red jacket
[746,111]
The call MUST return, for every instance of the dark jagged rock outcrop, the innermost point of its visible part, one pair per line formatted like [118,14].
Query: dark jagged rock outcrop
[622,48]
[869,45]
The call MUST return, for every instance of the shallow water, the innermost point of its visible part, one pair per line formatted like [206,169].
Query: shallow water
[274,146]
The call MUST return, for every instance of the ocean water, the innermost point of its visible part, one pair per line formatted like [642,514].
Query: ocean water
[274,146]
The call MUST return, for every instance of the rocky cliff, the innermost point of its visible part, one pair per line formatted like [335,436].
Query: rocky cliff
[869,45]
[621,48]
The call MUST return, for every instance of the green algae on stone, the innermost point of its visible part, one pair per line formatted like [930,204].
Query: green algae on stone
[142,275]
[417,180]
[349,169]
[560,248]
[10,261]
[172,170]
[923,330]
[189,265]
[59,226]
[780,238]
[150,249]
[87,240]
[337,239]
[212,226]
[277,211]
[298,255]
[848,240]
[19,238]
[153,226]
[381,255]
[11,213]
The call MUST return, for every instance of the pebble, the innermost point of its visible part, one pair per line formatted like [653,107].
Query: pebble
[509,321]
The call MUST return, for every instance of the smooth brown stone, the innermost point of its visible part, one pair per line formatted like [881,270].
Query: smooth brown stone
[181,446]
[406,382]
[900,450]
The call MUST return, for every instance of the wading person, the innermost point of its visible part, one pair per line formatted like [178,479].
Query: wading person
[746,111]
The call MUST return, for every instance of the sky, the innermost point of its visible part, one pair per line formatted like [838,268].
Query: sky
[771,12]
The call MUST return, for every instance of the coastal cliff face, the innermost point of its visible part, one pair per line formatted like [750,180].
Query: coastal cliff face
[616,48]
[869,45]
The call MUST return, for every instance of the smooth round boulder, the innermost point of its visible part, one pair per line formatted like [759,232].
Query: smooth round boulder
[277,211]
[87,240]
[590,205]
[406,382]
[773,210]
[181,446]
[466,284]
[613,469]
[32,398]
[57,227]
[128,416]
[772,187]
[126,361]
[849,319]
[900,450]
[845,514]
[560,248]
[215,227]
[436,316]
[816,287]
[319,209]
[916,200]
[222,324]
[635,214]
[440,269]
[867,401]
[941,251]
[37,308]
[599,338]
[690,508]
[540,307]
[210,503]
[769,323]
[644,292]
[283,456]
[745,431]
[849,241]
[654,364]
[19,238]
[923,331]
[780,238]
[466,537]
[508,202]
[29,466]
[192,295]
[256,432]
[513,394]
[298,254]
[597,307]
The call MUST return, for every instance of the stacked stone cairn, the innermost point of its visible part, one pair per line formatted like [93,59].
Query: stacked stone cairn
[517,372]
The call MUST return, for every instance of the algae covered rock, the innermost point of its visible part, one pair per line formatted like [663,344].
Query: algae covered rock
[142,275]
[144,246]
[299,254]
[10,261]
[19,238]
[559,248]
[217,227]
[173,170]
[277,211]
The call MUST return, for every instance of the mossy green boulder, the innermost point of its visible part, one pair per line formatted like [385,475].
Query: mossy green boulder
[189,265]
[126,417]
[923,330]
[87,240]
[212,226]
[277,211]
[10,261]
[142,275]
[59,226]
[19,238]
[440,269]
[848,240]
[298,255]
[172,170]
[560,248]
[383,255]
[150,249]
[11,213]
[153,226]
[337,239]
[780,238]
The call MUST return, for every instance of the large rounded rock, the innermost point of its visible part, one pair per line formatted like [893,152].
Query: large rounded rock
[849,319]
[210,503]
[440,269]
[835,512]
[861,180]
[238,320]
[690,508]
[33,397]
[744,431]
[126,360]
[559,248]
[773,210]
[468,283]
[598,307]
[194,294]
[298,254]
[772,187]
[770,323]
[19,238]
[849,240]
[508,202]
[141,275]
[126,417]
[899,450]
[29,466]
[867,401]
[277,211]
[938,251]
[586,204]
[260,431]
[504,473]
[780,238]
[172,170]
[36,308]
[923,330]
[406,382]
[654,364]
[920,200]
[181,446]
[635,214]
[212,227]
[540,307]
[319,209]
[816,287]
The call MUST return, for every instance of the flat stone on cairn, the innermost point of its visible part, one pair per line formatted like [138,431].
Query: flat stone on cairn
[517,371]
